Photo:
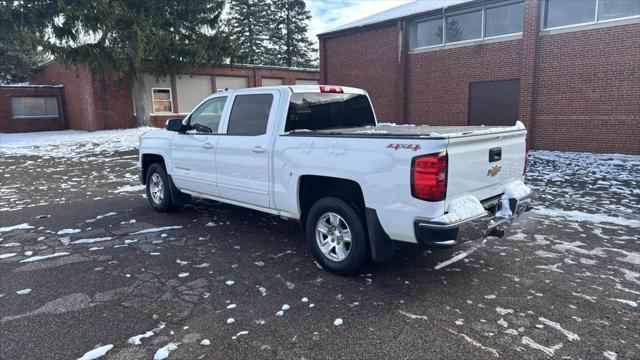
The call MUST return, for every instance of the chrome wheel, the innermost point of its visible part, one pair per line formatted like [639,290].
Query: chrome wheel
[333,236]
[156,188]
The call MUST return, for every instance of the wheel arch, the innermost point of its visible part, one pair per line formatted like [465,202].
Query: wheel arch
[314,187]
[146,160]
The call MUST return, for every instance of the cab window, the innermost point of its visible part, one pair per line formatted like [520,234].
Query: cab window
[250,115]
[206,118]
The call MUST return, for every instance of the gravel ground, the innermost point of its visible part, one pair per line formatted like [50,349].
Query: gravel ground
[564,283]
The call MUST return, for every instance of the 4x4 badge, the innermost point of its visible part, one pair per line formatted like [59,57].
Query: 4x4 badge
[414,147]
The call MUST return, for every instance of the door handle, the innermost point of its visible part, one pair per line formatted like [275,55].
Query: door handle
[258,149]
[207,145]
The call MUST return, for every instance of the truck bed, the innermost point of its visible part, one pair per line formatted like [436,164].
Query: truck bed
[411,131]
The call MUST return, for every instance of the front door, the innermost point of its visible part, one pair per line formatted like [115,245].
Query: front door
[494,103]
[193,152]
[242,157]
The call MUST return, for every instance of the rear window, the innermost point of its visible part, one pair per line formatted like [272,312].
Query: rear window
[322,111]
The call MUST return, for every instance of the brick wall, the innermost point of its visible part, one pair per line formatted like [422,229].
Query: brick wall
[438,81]
[579,90]
[79,102]
[368,60]
[588,95]
[10,124]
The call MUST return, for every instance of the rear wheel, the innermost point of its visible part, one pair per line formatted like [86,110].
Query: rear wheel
[336,236]
[158,190]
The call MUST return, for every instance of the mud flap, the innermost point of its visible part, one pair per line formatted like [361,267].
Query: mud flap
[381,245]
[178,198]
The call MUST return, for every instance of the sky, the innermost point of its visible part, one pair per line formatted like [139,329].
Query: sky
[327,14]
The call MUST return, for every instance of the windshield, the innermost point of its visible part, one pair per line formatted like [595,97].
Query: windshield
[322,111]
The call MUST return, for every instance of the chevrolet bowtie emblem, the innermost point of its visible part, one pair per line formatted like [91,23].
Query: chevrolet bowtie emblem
[495,170]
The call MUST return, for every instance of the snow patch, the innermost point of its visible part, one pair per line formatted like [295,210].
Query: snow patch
[24,226]
[68,231]
[534,345]
[91,240]
[576,215]
[570,335]
[164,351]
[158,229]
[96,353]
[43,257]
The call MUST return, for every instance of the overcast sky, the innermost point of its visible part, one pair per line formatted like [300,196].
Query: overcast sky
[327,14]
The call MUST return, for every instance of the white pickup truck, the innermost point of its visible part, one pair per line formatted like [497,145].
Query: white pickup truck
[317,154]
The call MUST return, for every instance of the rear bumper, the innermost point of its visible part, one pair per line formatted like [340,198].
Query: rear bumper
[439,234]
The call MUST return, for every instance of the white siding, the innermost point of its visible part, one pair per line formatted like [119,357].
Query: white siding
[306,82]
[231,82]
[272,81]
[149,83]
[191,89]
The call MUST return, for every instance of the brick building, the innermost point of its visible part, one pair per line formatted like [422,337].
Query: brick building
[569,70]
[87,102]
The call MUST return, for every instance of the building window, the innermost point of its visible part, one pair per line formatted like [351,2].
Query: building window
[426,33]
[477,24]
[463,27]
[561,13]
[162,101]
[501,20]
[34,107]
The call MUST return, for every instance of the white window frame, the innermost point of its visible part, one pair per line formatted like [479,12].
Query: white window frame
[483,11]
[543,12]
[153,110]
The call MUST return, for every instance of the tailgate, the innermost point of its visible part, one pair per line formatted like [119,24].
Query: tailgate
[480,165]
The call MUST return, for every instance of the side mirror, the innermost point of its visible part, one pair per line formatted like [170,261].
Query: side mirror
[175,125]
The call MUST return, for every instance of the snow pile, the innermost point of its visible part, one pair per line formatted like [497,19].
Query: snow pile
[70,143]
[460,209]
[514,190]
[517,190]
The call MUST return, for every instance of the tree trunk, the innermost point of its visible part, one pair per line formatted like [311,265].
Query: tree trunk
[142,118]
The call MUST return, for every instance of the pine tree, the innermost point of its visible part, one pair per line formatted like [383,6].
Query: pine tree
[292,46]
[19,53]
[248,27]
[129,36]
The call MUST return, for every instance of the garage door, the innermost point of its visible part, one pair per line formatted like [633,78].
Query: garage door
[494,103]
[231,82]
[306,82]
[191,90]
[272,82]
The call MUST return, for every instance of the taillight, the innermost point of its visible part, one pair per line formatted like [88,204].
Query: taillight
[429,177]
[526,159]
[330,89]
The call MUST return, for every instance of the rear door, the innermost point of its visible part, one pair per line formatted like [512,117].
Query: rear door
[494,103]
[242,155]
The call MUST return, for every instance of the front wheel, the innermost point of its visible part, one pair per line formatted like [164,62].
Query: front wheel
[158,190]
[336,235]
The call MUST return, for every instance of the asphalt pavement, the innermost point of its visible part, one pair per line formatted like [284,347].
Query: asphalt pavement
[93,265]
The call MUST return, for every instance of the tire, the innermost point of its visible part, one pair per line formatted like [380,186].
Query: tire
[330,222]
[158,188]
